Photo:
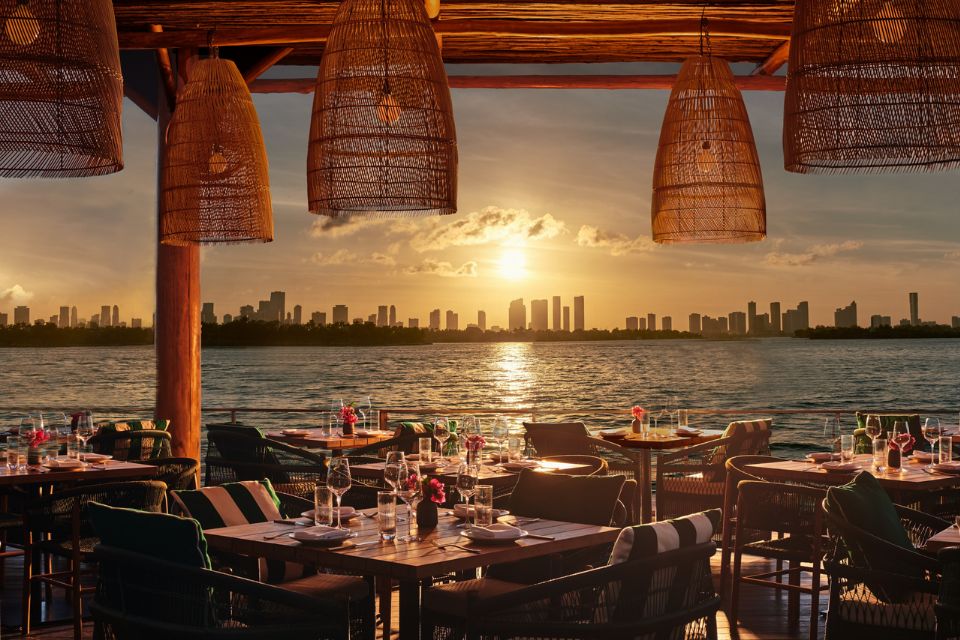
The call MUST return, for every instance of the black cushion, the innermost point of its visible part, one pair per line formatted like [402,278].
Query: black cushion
[554,496]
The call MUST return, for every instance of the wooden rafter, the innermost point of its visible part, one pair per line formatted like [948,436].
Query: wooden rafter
[259,67]
[166,70]
[776,60]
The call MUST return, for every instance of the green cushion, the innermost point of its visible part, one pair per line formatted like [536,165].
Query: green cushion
[555,496]
[414,427]
[159,535]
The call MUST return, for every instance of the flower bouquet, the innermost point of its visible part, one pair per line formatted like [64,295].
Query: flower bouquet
[35,442]
[475,445]
[640,419]
[434,495]
[348,418]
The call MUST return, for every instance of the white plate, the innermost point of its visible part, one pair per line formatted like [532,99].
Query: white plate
[688,432]
[497,513]
[306,536]
[612,432]
[837,465]
[347,514]
[95,457]
[947,467]
[366,433]
[63,464]
[469,535]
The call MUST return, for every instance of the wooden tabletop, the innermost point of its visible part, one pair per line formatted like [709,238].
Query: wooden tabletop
[912,477]
[109,471]
[316,439]
[407,561]
[488,471]
[949,537]
[634,441]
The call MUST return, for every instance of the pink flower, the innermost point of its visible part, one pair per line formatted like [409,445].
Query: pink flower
[348,415]
[38,438]
[433,490]
[638,412]
[475,442]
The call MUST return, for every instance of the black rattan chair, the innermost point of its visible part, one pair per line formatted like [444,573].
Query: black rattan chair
[178,474]
[138,445]
[948,602]
[233,456]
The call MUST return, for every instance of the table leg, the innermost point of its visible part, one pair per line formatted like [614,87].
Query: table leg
[409,610]
[645,487]
[385,590]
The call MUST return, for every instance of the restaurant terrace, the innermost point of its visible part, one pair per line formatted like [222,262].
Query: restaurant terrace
[679,523]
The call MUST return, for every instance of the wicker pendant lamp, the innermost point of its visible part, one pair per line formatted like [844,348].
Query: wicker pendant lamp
[707,186]
[382,136]
[215,186]
[873,86]
[62,89]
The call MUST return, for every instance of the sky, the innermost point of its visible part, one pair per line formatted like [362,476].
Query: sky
[554,199]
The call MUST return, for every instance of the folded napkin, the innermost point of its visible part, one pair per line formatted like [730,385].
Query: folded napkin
[320,533]
[822,456]
[836,465]
[522,464]
[294,432]
[63,464]
[496,531]
[462,511]
[688,431]
[922,455]
[345,512]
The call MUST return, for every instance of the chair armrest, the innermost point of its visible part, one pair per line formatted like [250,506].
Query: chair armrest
[291,504]
[920,526]
[686,452]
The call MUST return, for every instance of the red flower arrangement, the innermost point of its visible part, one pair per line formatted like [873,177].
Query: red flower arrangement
[348,415]
[431,489]
[475,442]
[37,438]
[638,412]
[907,444]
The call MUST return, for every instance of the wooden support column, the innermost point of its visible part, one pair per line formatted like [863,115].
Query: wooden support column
[177,327]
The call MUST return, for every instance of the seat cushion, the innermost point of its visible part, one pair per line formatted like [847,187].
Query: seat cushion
[159,535]
[645,540]
[752,437]
[329,585]
[458,598]
[915,611]
[555,496]
[135,425]
[866,505]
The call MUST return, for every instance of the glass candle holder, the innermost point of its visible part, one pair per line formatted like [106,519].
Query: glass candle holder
[946,448]
[425,449]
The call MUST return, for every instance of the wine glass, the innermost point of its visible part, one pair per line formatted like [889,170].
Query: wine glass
[931,433]
[338,479]
[831,433]
[468,475]
[85,430]
[441,432]
[500,432]
[873,427]
[368,412]
[391,469]
[410,489]
[900,437]
[333,423]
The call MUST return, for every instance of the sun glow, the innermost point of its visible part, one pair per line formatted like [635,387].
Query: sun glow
[513,265]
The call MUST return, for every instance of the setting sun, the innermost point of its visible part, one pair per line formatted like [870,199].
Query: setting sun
[513,265]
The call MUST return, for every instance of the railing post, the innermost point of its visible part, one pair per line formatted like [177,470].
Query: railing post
[383,419]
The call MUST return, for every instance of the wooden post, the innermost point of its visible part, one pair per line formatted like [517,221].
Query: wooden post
[177,326]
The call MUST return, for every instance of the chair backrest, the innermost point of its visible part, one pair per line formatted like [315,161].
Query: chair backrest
[177,473]
[406,442]
[555,496]
[749,437]
[785,508]
[624,514]
[139,445]
[589,465]
[558,438]
[233,457]
[55,514]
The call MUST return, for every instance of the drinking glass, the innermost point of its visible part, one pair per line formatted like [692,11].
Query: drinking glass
[410,489]
[846,447]
[501,430]
[946,448]
[28,427]
[387,515]
[391,470]
[467,477]
[673,408]
[333,423]
[85,430]
[483,505]
[880,454]
[441,431]
[322,505]
[931,433]
[515,447]
[338,479]
[373,419]
[13,452]
[470,426]
[873,427]
[900,437]
[425,449]
[683,417]
[831,433]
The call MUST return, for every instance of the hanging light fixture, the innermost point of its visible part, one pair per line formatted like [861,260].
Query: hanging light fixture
[61,89]
[873,86]
[215,185]
[382,136]
[707,186]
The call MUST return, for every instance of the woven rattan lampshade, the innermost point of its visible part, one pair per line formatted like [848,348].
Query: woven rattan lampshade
[382,137]
[61,89]
[707,186]
[873,86]
[215,183]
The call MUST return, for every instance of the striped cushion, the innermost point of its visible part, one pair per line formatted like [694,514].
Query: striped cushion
[753,437]
[647,540]
[236,503]
[414,427]
[134,425]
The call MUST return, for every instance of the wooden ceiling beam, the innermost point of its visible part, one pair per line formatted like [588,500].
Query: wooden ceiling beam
[665,82]
[253,36]
[166,70]
[773,63]
[259,67]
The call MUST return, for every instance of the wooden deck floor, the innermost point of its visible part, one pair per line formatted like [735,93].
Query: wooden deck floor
[763,615]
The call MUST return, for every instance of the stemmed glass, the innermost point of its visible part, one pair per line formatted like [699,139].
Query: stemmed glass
[931,433]
[441,432]
[831,432]
[368,412]
[391,469]
[873,427]
[85,430]
[410,490]
[501,430]
[333,423]
[900,437]
[338,479]
[468,475]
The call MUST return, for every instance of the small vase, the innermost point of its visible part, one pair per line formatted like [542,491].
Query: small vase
[473,456]
[893,459]
[33,456]
[427,515]
[347,429]
[636,426]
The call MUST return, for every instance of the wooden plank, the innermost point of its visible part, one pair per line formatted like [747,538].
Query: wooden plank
[285,35]
[259,67]
[911,478]
[773,63]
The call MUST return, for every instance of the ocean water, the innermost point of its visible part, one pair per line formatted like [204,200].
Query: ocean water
[587,381]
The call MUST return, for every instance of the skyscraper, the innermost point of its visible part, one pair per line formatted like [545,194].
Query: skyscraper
[206,314]
[877,321]
[538,314]
[435,320]
[393,316]
[105,316]
[695,326]
[3,319]
[453,321]
[751,317]
[915,309]
[413,323]
[517,315]
[297,314]
[278,305]
[556,313]
[382,315]
[137,323]
[803,313]
[246,311]
[64,320]
[666,324]
[737,323]
[372,318]
[95,320]
[227,318]
[578,323]
[73,316]
[775,317]
[318,318]
[632,323]
[642,324]
[566,319]
[846,316]
[340,314]
[652,321]
[482,320]
[21,315]
[115,322]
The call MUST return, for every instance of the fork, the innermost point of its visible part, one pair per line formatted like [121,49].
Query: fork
[274,536]
[443,547]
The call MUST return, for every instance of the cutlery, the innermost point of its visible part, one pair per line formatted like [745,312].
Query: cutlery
[536,536]
[526,520]
[443,547]
[294,521]
[274,536]
[358,545]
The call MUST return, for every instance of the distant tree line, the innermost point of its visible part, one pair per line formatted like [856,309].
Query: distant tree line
[48,335]
[474,334]
[880,333]
[256,333]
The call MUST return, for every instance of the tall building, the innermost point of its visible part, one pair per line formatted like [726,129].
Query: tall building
[372,318]
[318,318]
[453,321]
[3,319]
[877,321]
[21,315]
[517,315]
[54,319]
[435,320]
[652,321]
[803,313]
[137,323]
[695,323]
[95,320]
[566,319]
[246,311]
[393,316]
[915,309]
[642,324]
[115,321]
[737,323]
[105,316]
[761,324]
[775,324]
[557,322]
[538,315]
[482,320]
[227,318]
[64,320]
[382,315]
[954,321]
[73,316]
[578,310]
[297,314]
[666,323]
[751,317]
[846,316]
[413,323]
[340,314]
[632,324]
[278,305]
[206,314]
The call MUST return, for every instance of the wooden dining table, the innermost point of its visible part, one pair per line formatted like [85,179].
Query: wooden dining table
[336,442]
[949,537]
[641,449]
[411,564]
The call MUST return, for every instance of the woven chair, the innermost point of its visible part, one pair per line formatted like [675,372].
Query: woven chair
[794,512]
[948,603]
[177,473]
[147,444]
[406,442]
[895,602]
[669,595]
[143,598]
[623,514]
[593,466]
[235,456]
[58,525]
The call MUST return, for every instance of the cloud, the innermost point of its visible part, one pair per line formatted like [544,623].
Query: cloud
[811,255]
[16,293]
[327,227]
[443,269]
[346,256]
[952,255]
[617,243]
[490,224]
